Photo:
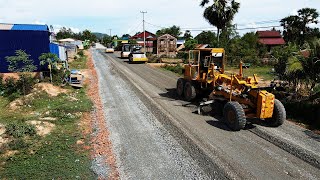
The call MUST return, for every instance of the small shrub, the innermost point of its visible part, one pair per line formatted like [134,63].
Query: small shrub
[2,85]
[25,83]
[176,69]
[10,86]
[18,130]
[18,144]
[80,53]
[153,59]
[183,55]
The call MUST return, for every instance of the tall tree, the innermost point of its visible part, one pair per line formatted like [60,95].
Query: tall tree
[220,13]
[296,27]
[173,30]
[88,35]
[65,33]
[207,37]
[187,35]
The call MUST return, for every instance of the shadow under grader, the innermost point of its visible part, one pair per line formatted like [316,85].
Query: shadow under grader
[217,120]
[172,94]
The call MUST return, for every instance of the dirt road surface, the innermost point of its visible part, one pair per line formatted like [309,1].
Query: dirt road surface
[144,149]
[155,135]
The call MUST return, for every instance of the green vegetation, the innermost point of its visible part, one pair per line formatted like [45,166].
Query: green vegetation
[264,72]
[220,13]
[178,69]
[173,30]
[84,35]
[28,154]
[55,156]
[79,62]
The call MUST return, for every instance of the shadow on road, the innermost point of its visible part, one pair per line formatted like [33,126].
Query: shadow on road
[172,94]
[312,135]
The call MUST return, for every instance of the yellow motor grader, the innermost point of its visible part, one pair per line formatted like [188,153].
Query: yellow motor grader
[236,96]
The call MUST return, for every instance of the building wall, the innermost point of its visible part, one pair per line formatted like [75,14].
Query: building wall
[33,43]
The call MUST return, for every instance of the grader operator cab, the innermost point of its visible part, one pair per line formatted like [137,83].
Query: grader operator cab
[234,96]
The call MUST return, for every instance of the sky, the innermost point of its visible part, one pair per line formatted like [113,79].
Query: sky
[125,17]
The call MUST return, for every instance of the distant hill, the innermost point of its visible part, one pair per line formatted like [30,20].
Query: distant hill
[100,35]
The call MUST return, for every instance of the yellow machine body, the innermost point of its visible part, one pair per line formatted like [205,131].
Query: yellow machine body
[265,105]
[206,68]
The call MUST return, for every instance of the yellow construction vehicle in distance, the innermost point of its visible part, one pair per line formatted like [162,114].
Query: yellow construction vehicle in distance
[235,96]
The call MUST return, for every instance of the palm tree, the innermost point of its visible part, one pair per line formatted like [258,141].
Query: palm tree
[220,13]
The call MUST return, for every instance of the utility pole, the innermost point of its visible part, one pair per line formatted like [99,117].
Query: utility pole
[110,31]
[144,32]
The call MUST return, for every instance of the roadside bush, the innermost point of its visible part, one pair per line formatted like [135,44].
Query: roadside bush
[176,69]
[25,83]
[10,86]
[2,85]
[58,76]
[18,130]
[80,53]
[153,59]
[18,144]
[310,114]
[183,56]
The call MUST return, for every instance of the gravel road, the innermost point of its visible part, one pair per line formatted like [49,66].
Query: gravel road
[144,149]
[238,154]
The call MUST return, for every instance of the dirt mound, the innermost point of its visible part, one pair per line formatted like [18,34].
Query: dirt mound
[50,89]
[14,105]
[43,128]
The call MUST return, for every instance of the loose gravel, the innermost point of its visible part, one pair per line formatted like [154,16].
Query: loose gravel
[144,149]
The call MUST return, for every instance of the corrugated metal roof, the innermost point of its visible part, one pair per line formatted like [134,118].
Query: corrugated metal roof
[263,34]
[272,41]
[6,26]
[24,27]
[30,27]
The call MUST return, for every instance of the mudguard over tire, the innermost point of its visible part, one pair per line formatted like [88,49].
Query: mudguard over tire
[180,87]
[234,116]
[279,114]
[189,91]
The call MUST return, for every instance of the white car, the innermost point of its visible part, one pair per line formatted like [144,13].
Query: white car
[109,50]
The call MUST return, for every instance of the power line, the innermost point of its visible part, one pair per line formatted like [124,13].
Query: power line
[210,28]
[135,29]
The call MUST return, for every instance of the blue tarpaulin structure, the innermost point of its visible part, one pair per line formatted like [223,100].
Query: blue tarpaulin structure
[33,39]
[58,50]
[54,49]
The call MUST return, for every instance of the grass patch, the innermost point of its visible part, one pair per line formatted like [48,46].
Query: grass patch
[55,156]
[263,72]
[79,63]
[178,69]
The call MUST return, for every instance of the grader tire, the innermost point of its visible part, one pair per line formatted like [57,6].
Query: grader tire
[234,116]
[180,87]
[279,114]
[189,91]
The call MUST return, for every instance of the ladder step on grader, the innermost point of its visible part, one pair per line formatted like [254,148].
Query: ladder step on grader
[234,96]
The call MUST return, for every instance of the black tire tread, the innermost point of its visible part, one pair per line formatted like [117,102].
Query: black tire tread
[279,114]
[193,91]
[183,82]
[241,117]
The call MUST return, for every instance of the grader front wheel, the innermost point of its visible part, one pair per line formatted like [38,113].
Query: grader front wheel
[189,91]
[180,87]
[234,116]
[279,114]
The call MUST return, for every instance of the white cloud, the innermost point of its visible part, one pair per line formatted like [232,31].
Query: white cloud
[57,28]
[123,16]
